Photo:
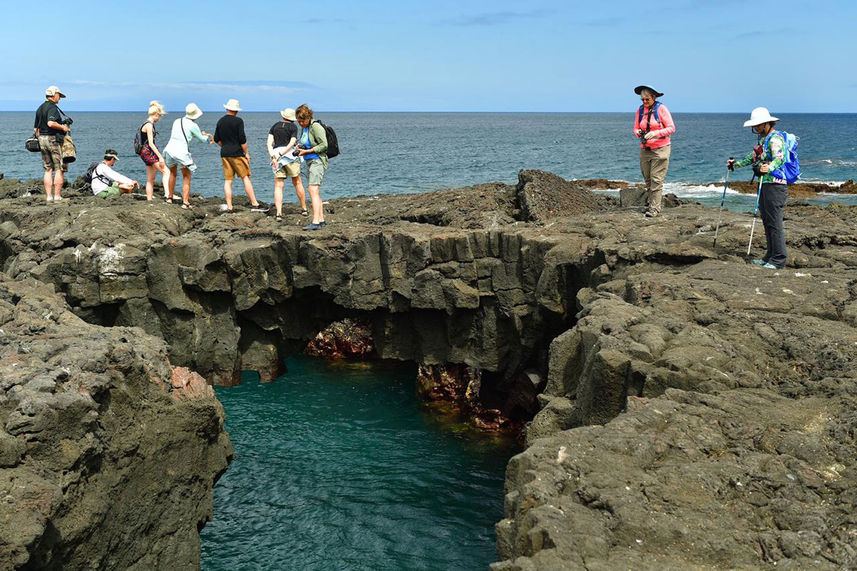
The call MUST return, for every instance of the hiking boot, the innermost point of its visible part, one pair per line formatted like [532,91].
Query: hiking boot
[650,213]
[759,262]
[770,266]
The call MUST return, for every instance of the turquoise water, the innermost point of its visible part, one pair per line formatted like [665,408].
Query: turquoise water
[341,467]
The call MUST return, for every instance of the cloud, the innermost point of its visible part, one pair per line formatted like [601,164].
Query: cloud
[498,18]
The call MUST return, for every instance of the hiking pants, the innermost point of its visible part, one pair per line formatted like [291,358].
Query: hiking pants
[771,205]
[653,165]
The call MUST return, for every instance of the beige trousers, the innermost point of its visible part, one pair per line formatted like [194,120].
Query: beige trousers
[654,164]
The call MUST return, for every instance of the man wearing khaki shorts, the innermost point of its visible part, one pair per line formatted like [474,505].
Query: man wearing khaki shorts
[50,130]
[234,156]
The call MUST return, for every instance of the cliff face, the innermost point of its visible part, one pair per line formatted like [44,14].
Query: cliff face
[678,378]
[108,455]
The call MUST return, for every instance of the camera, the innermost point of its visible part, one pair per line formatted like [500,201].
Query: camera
[66,121]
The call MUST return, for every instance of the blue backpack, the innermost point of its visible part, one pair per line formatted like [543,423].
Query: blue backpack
[790,170]
[654,112]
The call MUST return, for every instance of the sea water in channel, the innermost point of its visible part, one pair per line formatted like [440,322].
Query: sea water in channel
[394,153]
[341,467]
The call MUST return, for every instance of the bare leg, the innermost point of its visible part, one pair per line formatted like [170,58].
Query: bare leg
[48,181]
[279,183]
[170,176]
[248,188]
[58,180]
[186,174]
[227,192]
[150,181]
[299,190]
[317,206]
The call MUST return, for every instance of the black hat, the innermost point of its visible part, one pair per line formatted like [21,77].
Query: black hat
[639,88]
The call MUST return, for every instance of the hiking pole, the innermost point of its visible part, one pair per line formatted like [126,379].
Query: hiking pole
[722,200]
[755,212]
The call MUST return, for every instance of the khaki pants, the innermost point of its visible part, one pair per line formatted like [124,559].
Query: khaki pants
[654,164]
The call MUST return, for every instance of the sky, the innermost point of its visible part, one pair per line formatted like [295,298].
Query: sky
[440,56]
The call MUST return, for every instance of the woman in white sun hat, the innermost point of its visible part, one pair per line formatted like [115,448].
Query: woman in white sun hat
[177,152]
[767,158]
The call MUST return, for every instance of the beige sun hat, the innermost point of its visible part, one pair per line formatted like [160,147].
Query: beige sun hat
[232,105]
[53,90]
[288,114]
[192,111]
[758,116]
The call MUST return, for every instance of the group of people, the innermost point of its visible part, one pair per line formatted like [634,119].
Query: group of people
[653,126]
[289,146]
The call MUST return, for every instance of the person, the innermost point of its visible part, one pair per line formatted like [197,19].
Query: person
[281,141]
[106,181]
[151,155]
[234,156]
[312,146]
[177,152]
[767,159]
[653,125]
[51,126]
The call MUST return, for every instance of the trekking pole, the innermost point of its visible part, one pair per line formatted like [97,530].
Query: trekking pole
[755,212]
[722,200]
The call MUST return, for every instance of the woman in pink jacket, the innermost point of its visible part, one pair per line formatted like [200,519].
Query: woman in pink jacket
[653,125]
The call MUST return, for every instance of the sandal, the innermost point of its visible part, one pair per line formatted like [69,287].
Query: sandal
[168,200]
[304,212]
[186,206]
[278,218]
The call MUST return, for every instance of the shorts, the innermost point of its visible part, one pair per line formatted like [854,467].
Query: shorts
[148,155]
[289,170]
[51,153]
[316,172]
[111,190]
[185,161]
[235,166]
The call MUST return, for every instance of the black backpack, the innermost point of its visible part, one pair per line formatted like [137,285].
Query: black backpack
[332,143]
[90,174]
[139,141]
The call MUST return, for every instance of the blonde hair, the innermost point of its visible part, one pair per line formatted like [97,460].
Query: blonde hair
[155,107]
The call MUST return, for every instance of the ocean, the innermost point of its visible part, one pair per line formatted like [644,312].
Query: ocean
[395,153]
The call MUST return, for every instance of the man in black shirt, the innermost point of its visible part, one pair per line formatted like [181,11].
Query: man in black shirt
[282,139]
[51,129]
[234,156]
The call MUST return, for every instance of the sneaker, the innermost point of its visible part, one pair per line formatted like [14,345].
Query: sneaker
[759,262]
[770,266]
[57,198]
[304,212]
[261,207]
[278,217]
[49,199]
[312,227]
[650,213]
[322,224]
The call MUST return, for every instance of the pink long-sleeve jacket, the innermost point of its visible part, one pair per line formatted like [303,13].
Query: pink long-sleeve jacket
[662,128]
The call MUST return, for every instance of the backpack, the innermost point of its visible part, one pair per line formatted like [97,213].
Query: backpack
[790,169]
[138,140]
[654,112]
[91,174]
[332,143]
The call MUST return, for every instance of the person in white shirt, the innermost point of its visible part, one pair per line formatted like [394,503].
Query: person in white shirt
[177,152]
[106,181]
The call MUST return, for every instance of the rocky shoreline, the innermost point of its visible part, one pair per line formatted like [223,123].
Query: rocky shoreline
[690,410]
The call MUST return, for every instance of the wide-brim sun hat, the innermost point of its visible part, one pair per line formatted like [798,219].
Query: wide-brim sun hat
[232,105]
[192,111]
[53,90]
[758,116]
[288,114]
[640,88]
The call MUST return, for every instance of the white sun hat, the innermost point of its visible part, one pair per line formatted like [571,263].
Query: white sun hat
[192,111]
[232,105]
[758,116]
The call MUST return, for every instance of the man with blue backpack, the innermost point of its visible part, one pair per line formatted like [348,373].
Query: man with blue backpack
[775,162]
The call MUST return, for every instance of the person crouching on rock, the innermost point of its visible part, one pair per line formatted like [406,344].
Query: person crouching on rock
[106,181]
[768,156]
[653,125]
